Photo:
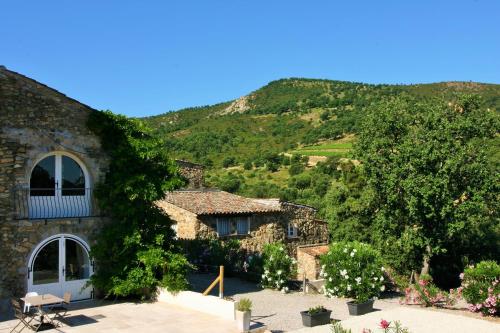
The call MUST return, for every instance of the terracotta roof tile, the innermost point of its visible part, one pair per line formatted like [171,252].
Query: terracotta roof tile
[315,251]
[208,202]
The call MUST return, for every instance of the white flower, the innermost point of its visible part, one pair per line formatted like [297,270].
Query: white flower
[330,279]
[354,250]
[325,274]
[382,268]
[375,278]
[348,287]
[294,261]
[381,278]
[352,254]
[345,250]
[323,267]
[358,280]
[279,272]
[271,258]
[343,272]
[266,272]
[373,286]
[335,288]
[382,288]
[263,276]
[346,277]
[282,249]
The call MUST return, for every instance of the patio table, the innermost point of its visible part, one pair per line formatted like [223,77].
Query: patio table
[41,300]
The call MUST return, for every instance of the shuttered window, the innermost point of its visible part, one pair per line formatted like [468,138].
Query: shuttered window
[233,225]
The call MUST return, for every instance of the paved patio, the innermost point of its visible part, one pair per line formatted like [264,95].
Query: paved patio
[98,316]
[416,320]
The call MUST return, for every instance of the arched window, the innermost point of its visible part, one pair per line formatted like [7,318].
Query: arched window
[57,174]
[59,187]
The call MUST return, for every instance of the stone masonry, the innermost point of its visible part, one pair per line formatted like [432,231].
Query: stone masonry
[36,121]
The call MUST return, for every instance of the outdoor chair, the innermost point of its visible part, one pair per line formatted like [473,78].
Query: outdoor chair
[24,318]
[60,310]
[27,306]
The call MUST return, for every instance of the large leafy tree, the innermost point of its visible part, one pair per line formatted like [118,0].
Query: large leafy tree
[432,191]
[134,252]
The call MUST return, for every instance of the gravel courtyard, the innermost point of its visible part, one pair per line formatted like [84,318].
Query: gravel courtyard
[280,312]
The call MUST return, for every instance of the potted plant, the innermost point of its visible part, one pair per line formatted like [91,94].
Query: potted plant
[316,316]
[353,270]
[243,313]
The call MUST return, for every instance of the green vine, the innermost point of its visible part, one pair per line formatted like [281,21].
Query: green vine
[135,252]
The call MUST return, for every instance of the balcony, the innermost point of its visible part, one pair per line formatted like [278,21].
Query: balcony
[52,203]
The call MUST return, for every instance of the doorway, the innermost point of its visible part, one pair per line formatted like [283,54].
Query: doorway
[61,264]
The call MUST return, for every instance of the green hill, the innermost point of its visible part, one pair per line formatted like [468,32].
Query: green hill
[286,115]
[286,138]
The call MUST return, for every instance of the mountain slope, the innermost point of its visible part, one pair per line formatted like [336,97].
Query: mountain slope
[286,114]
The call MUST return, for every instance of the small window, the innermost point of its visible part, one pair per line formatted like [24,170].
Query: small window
[293,231]
[233,226]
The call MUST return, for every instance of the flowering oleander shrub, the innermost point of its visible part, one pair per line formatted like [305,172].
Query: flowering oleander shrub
[424,292]
[481,288]
[279,267]
[384,325]
[352,269]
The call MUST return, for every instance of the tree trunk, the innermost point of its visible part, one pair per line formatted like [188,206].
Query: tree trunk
[426,261]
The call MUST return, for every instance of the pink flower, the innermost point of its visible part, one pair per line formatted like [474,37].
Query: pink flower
[461,276]
[384,324]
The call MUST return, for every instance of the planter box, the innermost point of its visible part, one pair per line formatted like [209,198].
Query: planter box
[361,308]
[242,320]
[321,318]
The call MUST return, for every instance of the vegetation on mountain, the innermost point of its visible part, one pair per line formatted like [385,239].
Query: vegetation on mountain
[420,184]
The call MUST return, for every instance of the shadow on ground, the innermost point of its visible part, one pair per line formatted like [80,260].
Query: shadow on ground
[232,285]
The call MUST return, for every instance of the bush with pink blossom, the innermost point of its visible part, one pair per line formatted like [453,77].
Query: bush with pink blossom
[481,288]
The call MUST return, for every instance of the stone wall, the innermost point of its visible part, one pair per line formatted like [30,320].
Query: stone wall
[187,223]
[36,121]
[308,261]
[192,172]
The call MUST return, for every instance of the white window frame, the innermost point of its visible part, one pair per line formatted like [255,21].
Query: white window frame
[292,231]
[232,219]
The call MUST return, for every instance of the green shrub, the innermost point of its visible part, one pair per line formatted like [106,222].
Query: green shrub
[279,267]
[425,293]
[295,169]
[481,287]
[352,269]
[244,305]
[175,272]
[316,309]
[248,165]
[228,162]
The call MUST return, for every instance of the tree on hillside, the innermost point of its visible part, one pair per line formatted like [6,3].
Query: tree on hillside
[433,191]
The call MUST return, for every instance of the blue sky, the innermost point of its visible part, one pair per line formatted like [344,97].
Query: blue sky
[147,57]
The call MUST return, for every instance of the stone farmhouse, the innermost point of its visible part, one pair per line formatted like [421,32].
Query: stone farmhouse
[210,213]
[49,163]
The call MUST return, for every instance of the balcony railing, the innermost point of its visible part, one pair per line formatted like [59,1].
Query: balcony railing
[51,203]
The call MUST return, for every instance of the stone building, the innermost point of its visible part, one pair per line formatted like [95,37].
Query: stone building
[308,261]
[211,213]
[49,163]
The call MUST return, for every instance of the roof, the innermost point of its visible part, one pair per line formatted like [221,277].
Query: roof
[214,202]
[314,251]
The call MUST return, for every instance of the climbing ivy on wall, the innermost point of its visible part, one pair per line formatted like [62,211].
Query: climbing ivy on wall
[135,252]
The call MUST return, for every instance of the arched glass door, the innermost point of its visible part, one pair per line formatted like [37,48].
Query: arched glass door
[60,265]
[58,188]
